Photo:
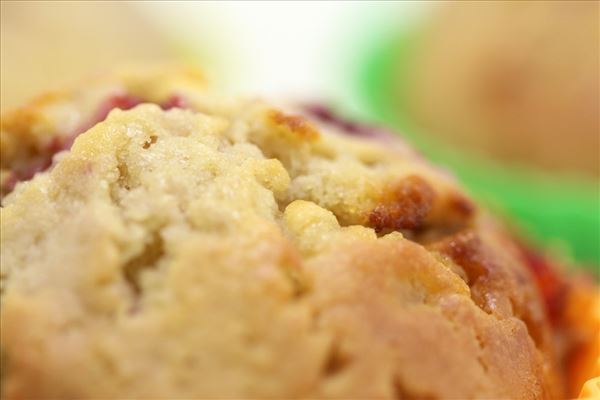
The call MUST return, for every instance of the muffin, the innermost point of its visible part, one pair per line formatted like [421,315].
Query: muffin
[514,81]
[160,240]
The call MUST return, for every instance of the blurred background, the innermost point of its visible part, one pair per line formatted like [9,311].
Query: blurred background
[504,94]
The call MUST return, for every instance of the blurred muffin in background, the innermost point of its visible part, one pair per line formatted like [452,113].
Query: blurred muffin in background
[517,81]
[44,44]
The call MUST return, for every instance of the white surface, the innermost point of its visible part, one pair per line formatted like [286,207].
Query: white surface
[296,49]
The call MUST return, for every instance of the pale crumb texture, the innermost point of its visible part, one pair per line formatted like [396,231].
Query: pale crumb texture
[236,250]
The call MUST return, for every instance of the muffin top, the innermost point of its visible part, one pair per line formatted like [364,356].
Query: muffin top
[192,245]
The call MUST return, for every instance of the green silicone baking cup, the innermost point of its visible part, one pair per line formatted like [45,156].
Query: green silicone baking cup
[561,211]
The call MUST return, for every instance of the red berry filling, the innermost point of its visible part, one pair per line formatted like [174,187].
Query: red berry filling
[123,101]
[326,115]
[553,288]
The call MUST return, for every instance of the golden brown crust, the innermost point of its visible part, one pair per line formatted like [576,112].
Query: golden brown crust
[404,206]
[200,252]
[295,124]
[388,302]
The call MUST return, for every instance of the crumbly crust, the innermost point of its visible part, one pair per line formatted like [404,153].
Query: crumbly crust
[237,250]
